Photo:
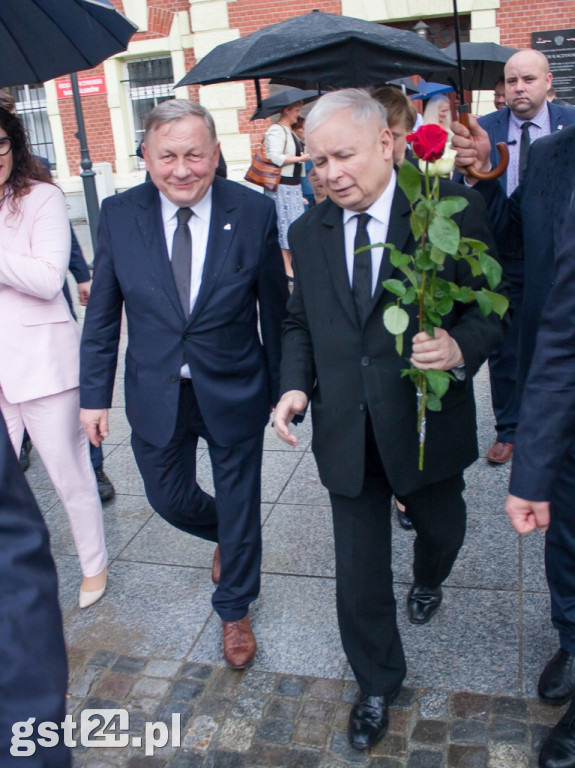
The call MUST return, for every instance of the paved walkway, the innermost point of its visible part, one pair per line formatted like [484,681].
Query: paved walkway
[152,645]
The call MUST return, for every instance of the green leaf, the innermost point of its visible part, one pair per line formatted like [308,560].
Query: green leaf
[434,317]
[394,286]
[485,302]
[491,269]
[438,381]
[395,320]
[474,265]
[409,179]
[437,255]
[462,293]
[445,305]
[500,303]
[423,260]
[399,344]
[433,402]
[476,245]
[449,206]
[409,296]
[444,234]
[396,257]
[417,224]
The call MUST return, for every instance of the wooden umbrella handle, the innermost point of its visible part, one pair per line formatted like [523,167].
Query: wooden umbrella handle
[494,173]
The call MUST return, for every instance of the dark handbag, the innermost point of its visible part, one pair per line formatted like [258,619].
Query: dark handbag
[263,172]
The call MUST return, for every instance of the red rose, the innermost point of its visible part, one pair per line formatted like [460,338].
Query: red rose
[428,142]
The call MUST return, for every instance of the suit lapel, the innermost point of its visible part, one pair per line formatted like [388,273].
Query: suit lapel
[151,227]
[398,233]
[224,222]
[333,249]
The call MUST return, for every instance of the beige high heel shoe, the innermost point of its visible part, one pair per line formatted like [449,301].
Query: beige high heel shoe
[88,597]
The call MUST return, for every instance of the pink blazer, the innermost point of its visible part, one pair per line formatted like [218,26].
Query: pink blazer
[39,339]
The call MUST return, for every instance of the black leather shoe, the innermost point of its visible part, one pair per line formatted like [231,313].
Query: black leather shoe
[557,681]
[422,603]
[402,518]
[24,457]
[558,750]
[368,720]
[105,487]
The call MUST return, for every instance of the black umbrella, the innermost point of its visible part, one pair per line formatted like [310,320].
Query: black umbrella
[281,99]
[320,49]
[43,39]
[483,64]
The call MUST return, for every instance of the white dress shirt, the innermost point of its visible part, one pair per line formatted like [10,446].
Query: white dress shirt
[377,227]
[199,225]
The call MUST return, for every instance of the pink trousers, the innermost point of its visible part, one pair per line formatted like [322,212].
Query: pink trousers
[53,424]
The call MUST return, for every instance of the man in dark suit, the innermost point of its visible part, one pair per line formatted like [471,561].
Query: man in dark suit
[531,221]
[543,476]
[192,258]
[337,354]
[33,668]
[527,80]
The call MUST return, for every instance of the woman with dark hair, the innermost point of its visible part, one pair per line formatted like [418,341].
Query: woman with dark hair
[39,344]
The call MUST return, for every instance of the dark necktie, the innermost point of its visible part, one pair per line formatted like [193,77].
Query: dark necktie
[524,147]
[361,283]
[182,258]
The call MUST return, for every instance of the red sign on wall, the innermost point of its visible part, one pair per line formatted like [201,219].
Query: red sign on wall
[87,85]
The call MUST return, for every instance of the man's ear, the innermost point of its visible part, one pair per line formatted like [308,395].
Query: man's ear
[386,141]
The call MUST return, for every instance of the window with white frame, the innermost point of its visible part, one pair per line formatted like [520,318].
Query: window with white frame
[31,108]
[148,82]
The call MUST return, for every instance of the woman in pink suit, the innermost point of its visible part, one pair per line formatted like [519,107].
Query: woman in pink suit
[39,345]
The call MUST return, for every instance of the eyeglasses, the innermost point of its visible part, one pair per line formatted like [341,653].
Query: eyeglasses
[5,145]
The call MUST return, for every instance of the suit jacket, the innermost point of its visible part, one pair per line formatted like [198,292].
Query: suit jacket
[33,668]
[497,126]
[347,370]
[39,339]
[235,374]
[529,222]
[547,420]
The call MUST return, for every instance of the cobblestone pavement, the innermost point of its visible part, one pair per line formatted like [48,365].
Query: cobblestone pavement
[152,645]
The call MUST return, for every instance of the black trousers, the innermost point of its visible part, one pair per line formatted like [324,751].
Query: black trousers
[366,605]
[232,518]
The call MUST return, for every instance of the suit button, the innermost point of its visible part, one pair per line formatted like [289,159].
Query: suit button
[187,336]
[365,361]
[362,407]
[174,377]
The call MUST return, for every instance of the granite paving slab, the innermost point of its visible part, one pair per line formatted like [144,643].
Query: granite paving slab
[295,625]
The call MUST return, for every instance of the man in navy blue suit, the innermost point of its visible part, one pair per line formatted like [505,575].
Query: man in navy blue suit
[194,261]
[527,80]
[532,221]
[544,471]
[33,669]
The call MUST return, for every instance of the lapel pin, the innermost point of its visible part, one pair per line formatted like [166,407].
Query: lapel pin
[227,226]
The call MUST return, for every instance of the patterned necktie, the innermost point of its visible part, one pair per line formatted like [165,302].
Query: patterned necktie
[361,283]
[182,258]
[524,145]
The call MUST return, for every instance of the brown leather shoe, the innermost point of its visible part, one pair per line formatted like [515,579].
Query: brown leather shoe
[499,453]
[216,566]
[239,642]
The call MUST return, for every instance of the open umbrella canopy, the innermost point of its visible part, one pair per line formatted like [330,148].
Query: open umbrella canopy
[483,65]
[281,99]
[42,39]
[322,49]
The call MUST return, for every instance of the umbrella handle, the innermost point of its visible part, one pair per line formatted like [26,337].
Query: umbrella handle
[494,173]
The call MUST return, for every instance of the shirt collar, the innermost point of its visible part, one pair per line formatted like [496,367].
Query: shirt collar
[201,209]
[537,119]
[381,208]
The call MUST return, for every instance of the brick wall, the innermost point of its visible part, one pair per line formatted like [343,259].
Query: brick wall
[518,19]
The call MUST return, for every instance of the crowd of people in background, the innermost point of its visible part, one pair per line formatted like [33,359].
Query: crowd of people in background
[219,346]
